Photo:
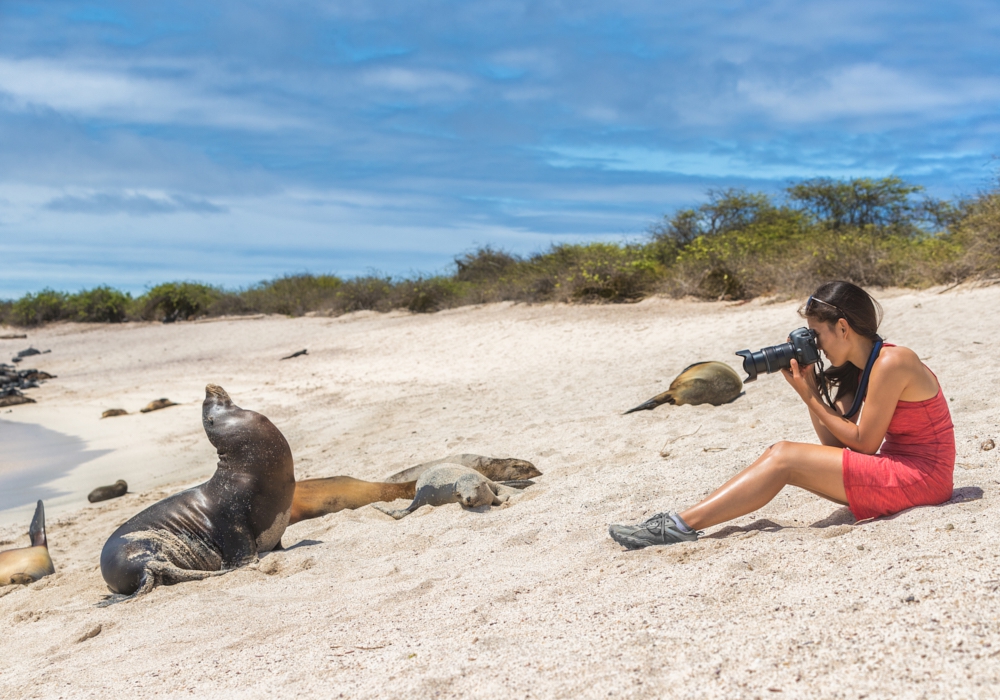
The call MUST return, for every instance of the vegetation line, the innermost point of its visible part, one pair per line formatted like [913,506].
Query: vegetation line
[736,245]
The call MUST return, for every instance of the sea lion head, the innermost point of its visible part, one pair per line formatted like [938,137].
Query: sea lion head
[473,490]
[245,440]
[513,469]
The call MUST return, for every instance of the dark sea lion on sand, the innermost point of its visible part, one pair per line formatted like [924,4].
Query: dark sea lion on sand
[493,468]
[112,412]
[156,405]
[28,564]
[215,527]
[703,382]
[104,493]
[453,483]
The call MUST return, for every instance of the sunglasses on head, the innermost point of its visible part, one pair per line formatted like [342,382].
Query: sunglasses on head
[813,301]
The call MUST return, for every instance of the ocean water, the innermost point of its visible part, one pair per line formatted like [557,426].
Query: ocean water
[32,456]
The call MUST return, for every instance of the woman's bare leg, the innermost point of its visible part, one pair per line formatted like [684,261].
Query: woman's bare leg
[815,468]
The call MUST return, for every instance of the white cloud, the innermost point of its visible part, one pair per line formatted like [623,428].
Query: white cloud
[864,90]
[99,92]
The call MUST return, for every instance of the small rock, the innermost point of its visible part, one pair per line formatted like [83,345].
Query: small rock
[949,526]
[910,599]
[987,445]
[861,547]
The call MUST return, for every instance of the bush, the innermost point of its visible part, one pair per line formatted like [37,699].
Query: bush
[100,305]
[178,301]
[44,307]
[369,293]
[292,295]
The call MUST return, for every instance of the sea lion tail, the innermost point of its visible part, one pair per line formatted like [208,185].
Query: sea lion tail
[37,529]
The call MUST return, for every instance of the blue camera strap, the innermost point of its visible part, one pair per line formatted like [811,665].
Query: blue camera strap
[859,397]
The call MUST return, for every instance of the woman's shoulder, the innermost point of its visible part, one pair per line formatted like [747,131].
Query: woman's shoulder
[898,356]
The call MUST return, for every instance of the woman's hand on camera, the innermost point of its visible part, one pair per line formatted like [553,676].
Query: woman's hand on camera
[804,383]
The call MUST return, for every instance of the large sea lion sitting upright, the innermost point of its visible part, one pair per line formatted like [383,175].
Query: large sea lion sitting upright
[28,564]
[703,382]
[224,523]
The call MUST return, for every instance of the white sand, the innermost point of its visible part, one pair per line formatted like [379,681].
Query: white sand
[531,599]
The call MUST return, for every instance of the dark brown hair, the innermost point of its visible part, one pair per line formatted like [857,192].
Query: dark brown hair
[863,314]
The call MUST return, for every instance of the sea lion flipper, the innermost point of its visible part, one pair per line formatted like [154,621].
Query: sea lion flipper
[665,397]
[397,514]
[37,529]
[519,484]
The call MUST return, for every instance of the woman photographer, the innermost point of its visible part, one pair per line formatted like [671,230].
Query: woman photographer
[904,406]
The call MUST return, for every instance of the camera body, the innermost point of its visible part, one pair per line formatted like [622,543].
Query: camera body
[801,347]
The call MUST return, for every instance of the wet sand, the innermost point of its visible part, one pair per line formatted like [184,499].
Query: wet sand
[532,598]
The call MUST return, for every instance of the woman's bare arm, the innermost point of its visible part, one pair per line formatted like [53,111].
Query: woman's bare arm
[890,375]
[825,436]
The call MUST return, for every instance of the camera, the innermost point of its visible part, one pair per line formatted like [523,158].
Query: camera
[801,347]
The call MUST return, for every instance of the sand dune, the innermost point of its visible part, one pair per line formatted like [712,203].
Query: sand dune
[530,599]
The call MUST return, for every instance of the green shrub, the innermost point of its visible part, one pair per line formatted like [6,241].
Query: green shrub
[293,295]
[99,305]
[426,294]
[33,309]
[178,301]
[369,293]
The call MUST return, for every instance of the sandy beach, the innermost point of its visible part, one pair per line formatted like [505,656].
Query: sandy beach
[530,599]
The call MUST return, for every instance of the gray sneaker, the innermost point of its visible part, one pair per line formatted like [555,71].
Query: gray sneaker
[660,529]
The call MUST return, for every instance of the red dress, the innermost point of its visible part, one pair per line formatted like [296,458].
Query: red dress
[913,467]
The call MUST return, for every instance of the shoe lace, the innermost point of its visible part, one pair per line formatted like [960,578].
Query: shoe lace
[658,523]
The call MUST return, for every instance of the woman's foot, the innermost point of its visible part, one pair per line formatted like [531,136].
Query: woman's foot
[662,528]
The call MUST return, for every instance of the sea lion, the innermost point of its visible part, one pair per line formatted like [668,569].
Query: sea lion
[453,483]
[13,397]
[104,493]
[703,382]
[112,412]
[156,405]
[493,468]
[218,526]
[317,497]
[28,564]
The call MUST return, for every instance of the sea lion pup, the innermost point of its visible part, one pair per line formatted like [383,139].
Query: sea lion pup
[215,527]
[453,483]
[493,468]
[317,497]
[703,382]
[28,564]
[104,493]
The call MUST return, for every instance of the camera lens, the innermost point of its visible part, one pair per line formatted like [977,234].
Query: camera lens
[767,360]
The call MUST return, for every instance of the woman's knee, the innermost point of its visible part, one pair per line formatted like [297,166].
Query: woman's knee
[780,458]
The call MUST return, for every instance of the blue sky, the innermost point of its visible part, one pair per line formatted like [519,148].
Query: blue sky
[231,142]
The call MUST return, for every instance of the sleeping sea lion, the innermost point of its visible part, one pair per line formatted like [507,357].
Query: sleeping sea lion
[103,493]
[493,468]
[315,498]
[156,405]
[703,382]
[453,483]
[215,527]
[28,564]
[112,412]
